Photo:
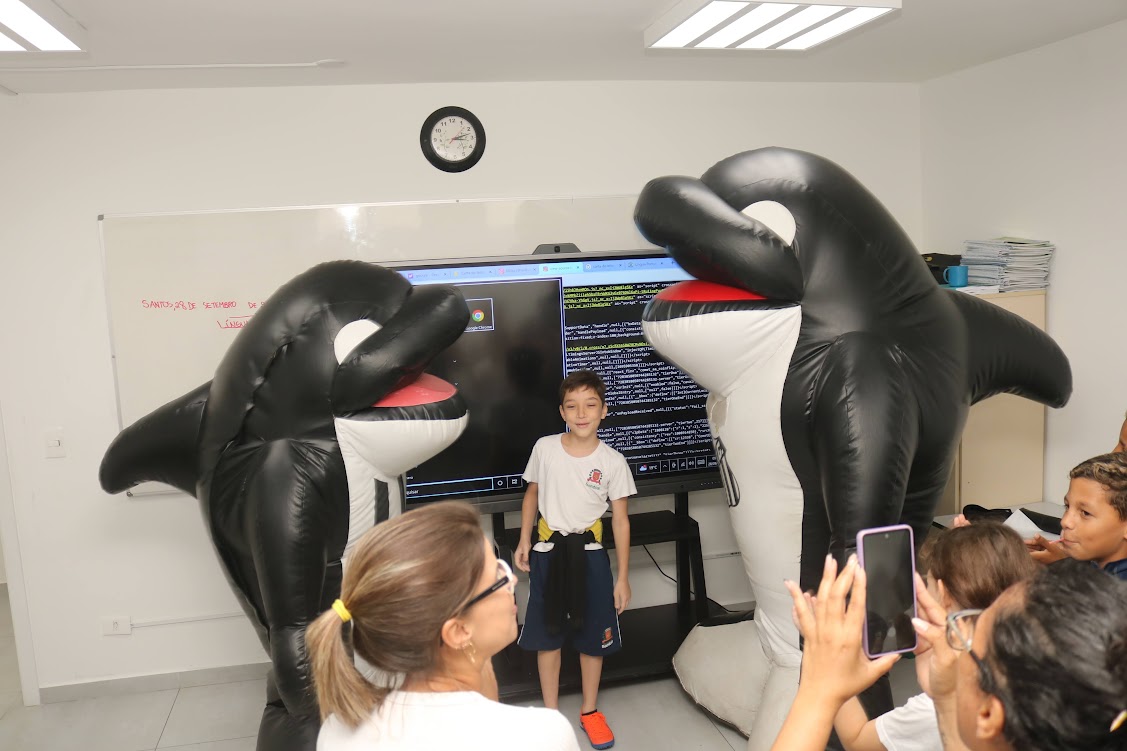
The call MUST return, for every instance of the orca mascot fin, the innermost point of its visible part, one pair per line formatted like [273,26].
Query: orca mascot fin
[160,447]
[1009,355]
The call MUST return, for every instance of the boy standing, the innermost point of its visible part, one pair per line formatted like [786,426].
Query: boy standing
[571,477]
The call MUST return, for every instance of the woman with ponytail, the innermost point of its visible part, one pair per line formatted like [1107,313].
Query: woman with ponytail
[427,603]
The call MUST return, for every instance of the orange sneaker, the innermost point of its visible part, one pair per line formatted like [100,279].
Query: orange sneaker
[597,730]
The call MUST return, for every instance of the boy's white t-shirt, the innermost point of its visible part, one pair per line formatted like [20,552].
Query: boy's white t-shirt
[574,490]
[463,720]
[912,727]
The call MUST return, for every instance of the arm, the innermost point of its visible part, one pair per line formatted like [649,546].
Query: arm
[833,665]
[809,722]
[527,519]
[620,522]
[854,728]
[931,625]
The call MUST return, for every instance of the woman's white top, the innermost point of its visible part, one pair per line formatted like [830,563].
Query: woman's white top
[463,720]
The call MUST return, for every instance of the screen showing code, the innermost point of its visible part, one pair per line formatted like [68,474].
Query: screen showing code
[532,323]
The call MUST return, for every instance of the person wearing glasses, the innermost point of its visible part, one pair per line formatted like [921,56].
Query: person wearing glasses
[1042,669]
[427,603]
[966,567]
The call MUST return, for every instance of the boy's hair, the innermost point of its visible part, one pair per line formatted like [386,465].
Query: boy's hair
[583,379]
[1109,470]
[401,587]
[1060,661]
[976,563]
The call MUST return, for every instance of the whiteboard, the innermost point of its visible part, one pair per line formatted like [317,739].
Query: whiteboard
[180,286]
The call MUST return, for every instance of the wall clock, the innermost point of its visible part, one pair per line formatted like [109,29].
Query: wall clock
[452,139]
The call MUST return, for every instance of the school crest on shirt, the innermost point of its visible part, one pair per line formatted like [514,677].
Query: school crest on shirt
[595,479]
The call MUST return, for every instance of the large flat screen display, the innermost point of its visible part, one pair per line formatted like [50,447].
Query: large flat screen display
[533,320]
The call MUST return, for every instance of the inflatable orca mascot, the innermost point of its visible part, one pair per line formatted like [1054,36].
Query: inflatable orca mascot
[295,447]
[839,377]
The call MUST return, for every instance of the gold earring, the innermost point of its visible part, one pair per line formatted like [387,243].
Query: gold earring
[472,653]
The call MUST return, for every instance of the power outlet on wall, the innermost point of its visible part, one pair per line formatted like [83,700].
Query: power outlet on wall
[116,625]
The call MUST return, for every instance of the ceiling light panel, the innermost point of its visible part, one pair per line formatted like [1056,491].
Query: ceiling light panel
[29,25]
[790,26]
[748,23]
[701,24]
[834,27]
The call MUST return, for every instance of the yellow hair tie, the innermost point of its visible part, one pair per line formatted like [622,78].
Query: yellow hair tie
[342,611]
[1118,721]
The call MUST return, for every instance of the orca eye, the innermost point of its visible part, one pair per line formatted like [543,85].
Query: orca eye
[775,217]
[351,334]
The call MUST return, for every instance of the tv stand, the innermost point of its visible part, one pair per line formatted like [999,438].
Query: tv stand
[651,635]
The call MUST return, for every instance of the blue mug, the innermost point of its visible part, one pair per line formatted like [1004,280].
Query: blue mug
[955,276]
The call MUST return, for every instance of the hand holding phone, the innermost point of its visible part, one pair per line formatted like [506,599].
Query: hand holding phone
[887,554]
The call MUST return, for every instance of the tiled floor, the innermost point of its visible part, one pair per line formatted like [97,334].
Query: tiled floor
[224,717]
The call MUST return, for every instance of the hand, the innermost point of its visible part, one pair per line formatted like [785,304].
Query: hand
[520,556]
[832,658]
[1045,551]
[960,521]
[931,625]
[923,669]
[621,595]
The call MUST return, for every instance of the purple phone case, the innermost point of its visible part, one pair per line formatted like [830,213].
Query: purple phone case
[912,560]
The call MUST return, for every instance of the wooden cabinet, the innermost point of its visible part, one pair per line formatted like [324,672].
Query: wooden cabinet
[1001,457]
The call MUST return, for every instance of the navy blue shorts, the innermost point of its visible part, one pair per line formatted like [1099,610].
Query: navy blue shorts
[599,635]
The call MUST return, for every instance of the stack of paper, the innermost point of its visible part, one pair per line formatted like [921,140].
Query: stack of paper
[1010,263]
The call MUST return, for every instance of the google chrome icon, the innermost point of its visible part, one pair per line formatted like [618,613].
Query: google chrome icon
[478,316]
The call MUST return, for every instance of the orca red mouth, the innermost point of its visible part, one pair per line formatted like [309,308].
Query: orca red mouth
[696,297]
[426,389]
[427,397]
[698,291]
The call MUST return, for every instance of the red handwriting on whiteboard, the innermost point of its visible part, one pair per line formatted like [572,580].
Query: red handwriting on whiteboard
[168,305]
[220,304]
[233,322]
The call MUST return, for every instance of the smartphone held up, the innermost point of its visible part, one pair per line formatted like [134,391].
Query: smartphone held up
[887,554]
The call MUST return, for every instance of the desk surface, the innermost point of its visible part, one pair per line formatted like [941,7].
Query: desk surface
[1044,507]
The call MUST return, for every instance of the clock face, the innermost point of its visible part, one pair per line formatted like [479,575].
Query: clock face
[452,139]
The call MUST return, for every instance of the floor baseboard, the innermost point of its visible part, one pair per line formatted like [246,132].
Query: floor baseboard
[145,683]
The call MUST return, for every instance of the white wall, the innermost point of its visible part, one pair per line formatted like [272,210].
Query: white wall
[68,158]
[1034,146]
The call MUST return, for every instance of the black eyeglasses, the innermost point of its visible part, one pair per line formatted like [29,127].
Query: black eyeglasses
[960,637]
[505,578]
